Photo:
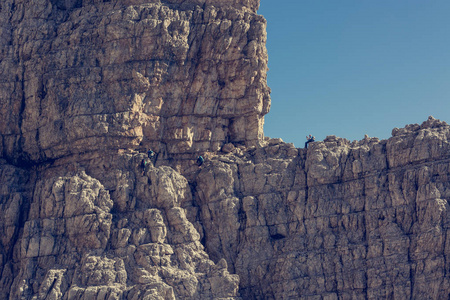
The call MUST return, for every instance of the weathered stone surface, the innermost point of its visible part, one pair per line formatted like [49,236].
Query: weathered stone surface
[76,244]
[14,205]
[86,85]
[179,76]
[340,220]
[368,219]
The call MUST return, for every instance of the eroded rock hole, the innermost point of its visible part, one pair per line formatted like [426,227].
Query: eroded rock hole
[67,4]
[277,236]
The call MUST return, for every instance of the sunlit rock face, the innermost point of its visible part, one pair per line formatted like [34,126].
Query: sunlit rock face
[363,220]
[177,76]
[86,87]
[74,239]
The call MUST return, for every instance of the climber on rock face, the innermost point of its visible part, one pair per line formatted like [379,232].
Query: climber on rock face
[144,164]
[152,156]
[309,139]
[200,161]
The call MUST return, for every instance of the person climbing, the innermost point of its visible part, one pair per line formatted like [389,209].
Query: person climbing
[150,154]
[309,139]
[200,161]
[144,164]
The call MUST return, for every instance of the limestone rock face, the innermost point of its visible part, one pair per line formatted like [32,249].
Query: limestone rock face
[340,220]
[87,85]
[73,245]
[365,220]
[177,76]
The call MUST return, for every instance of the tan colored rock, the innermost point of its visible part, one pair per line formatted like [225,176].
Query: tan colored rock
[334,218]
[331,220]
[51,286]
[148,250]
[177,76]
[87,85]
[228,148]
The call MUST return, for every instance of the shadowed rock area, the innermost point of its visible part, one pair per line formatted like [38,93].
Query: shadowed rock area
[87,87]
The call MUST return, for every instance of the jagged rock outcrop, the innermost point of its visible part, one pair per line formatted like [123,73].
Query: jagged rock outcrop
[366,220]
[87,85]
[72,245]
[177,76]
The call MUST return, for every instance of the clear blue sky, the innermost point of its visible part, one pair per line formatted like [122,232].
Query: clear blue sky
[357,67]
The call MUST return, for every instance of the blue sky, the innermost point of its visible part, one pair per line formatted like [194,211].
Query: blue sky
[358,67]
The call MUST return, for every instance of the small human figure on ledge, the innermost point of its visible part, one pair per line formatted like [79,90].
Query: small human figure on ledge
[150,154]
[200,161]
[309,139]
[144,164]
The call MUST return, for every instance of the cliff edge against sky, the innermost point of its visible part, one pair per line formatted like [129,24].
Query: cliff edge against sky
[88,86]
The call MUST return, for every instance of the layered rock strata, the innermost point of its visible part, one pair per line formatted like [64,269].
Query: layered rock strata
[78,240]
[367,219]
[176,76]
[87,85]
[341,220]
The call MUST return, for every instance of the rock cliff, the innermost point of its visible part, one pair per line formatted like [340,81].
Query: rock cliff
[176,76]
[88,85]
[341,220]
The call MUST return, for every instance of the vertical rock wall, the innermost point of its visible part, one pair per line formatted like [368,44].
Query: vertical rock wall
[367,219]
[83,85]
[177,76]
[361,220]
[87,84]
[70,238]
